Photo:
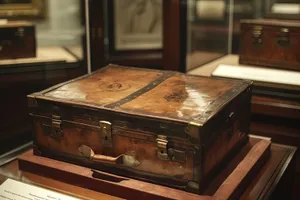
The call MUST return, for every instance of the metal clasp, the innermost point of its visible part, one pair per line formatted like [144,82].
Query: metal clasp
[20,32]
[162,147]
[257,35]
[283,38]
[106,129]
[166,153]
[56,127]
[54,130]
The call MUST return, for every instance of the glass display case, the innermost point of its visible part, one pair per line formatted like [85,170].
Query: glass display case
[212,36]
[54,31]
[214,28]
[266,30]
[208,31]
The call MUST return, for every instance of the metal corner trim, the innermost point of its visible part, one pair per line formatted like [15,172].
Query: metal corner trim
[193,129]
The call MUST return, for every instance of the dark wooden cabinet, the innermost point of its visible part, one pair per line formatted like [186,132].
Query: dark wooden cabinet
[15,84]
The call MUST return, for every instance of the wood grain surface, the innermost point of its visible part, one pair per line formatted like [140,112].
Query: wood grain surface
[231,187]
[181,96]
[109,86]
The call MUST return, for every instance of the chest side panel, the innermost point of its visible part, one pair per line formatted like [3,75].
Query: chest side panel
[105,87]
[180,97]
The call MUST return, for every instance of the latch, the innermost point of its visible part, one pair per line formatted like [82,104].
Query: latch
[106,129]
[257,35]
[20,34]
[56,127]
[54,130]
[166,153]
[162,150]
[283,38]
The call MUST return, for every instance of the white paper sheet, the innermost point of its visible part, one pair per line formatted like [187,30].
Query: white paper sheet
[285,8]
[258,74]
[14,190]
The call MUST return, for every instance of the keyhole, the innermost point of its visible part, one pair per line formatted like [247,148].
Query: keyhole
[105,138]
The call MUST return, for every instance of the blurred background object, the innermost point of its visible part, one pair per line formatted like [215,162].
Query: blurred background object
[57,35]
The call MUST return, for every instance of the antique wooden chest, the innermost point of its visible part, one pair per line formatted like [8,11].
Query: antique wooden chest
[17,40]
[165,127]
[270,43]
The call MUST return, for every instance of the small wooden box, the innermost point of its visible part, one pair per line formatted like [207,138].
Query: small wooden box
[17,40]
[270,43]
[165,127]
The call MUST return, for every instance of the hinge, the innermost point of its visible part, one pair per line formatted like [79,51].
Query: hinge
[166,153]
[106,129]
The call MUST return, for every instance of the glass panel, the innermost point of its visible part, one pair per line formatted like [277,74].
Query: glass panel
[244,9]
[134,32]
[208,31]
[41,44]
[214,29]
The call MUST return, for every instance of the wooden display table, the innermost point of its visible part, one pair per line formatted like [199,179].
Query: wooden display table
[272,178]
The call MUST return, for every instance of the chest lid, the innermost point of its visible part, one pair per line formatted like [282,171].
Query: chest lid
[273,26]
[148,93]
[272,22]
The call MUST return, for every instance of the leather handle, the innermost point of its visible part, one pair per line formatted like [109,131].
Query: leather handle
[127,160]
[108,159]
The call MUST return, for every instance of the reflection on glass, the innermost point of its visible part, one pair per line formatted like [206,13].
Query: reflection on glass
[52,34]
[59,29]
[137,24]
[208,31]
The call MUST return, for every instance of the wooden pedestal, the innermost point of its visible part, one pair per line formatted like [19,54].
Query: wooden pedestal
[231,183]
